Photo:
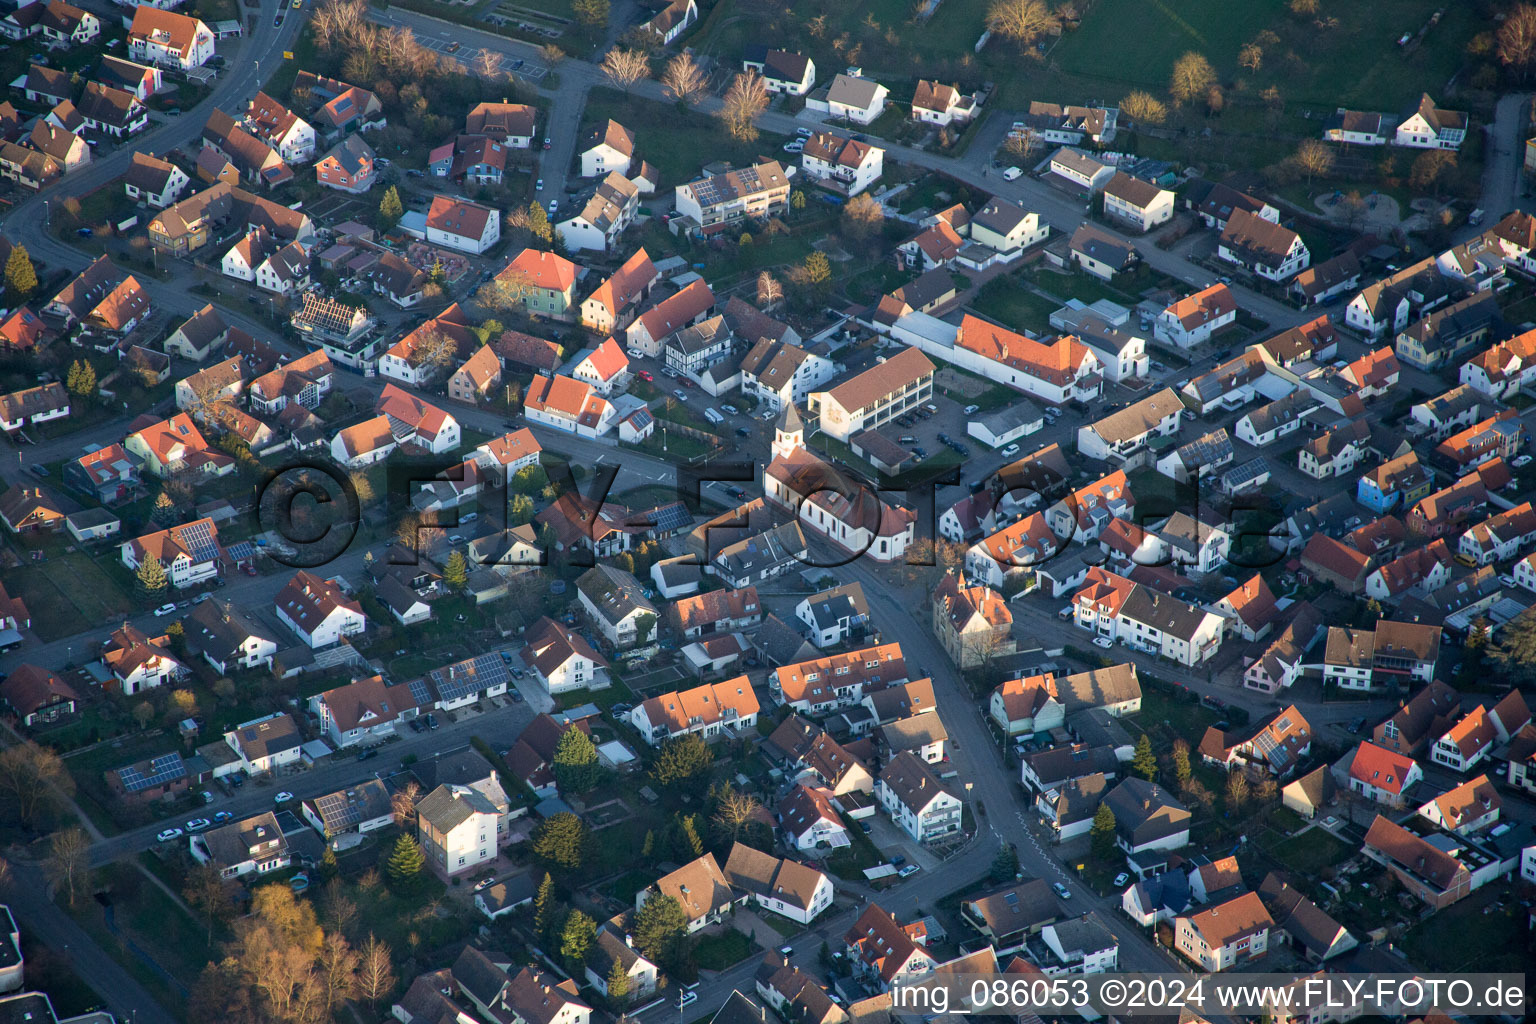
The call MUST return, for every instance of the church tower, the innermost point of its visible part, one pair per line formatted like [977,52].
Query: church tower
[789,433]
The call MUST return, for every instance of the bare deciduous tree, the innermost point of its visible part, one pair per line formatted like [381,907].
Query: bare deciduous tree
[863,217]
[376,973]
[69,861]
[1516,39]
[1251,57]
[34,777]
[552,54]
[1304,8]
[488,64]
[734,811]
[1021,21]
[206,890]
[769,291]
[403,803]
[504,292]
[1144,108]
[1313,158]
[747,97]
[1430,169]
[683,80]
[1192,78]
[625,67]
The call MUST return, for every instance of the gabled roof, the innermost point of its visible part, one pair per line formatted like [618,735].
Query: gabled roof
[1376,766]
[699,887]
[1235,919]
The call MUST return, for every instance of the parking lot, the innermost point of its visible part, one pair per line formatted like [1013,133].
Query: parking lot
[476,59]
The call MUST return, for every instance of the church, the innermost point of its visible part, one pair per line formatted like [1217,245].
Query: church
[839,505]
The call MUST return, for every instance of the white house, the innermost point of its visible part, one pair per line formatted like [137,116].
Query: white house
[462,225]
[562,660]
[1429,127]
[844,164]
[810,821]
[1270,250]
[189,553]
[265,744]
[785,887]
[855,98]
[1192,320]
[604,217]
[783,71]
[169,39]
[456,826]
[610,147]
[615,602]
[318,610]
[1137,203]
[942,105]
[916,800]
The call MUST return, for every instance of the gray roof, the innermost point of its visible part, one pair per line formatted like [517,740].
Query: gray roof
[347,808]
[1145,811]
[781,643]
[1160,611]
[1059,765]
[448,807]
[1000,215]
[831,606]
[232,844]
[855,92]
[1098,687]
[912,733]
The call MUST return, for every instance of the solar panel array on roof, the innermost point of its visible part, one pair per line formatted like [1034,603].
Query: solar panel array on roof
[460,680]
[162,769]
[241,551]
[669,518]
[419,693]
[344,104]
[198,537]
[339,810]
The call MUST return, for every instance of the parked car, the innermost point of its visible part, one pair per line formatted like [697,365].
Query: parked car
[367,753]
[646,376]
[972,409]
[1061,890]
[198,824]
[415,725]
[546,143]
[687,998]
[166,835]
[1121,879]
[166,609]
[282,797]
[908,871]
[38,469]
[538,186]
[220,817]
[431,721]
[1103,642]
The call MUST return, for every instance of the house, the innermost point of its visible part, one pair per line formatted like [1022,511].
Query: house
[349,166]
[916,800]
[610,147]
[672,20]
[1401,480]
[33,406]
[808,818]
[358,809]
[21,331]
[1500,537]
[198,337]
[1419,721]
[603,367]
[252,157]
[228,637]
[1475,735]
[1444,511]
[265,744]
[1358,128]
[1008,916]
[397,280]
[1136,203]
[456,826]
[412,420]
[284,271]
[785,887]
[318,610]
[1221,201]
[1394,654]
[855,98]
[1124,433]
[1429,127]
[971,621]
[365,443]
[721,201]
[512,124]
[783,71]
[1193,461]
[142,81]
[1079,946]
[255,845]
[282,129]
[429,349]
[1267,249]
[168,39]
[109,474]
[1157,898]
[1382,775]
[790,991]
[339,107]
[1427,872]
[543,282]
[942,105]
[606,309]
[845,165]
[835,615]
[139,662]
[1069,125]
[1426,569]
[1193,320]
[1079,170]
[39,697]
[1473,806]
[1100,253]
[935,247]
[605,216]
[462,225]
[562,660]
[839,680]
[877,395]
[1275,745]
[646,334]
[882,952]
[709,710]
[718,611]
[190,553]
[1446,335]
[611,949]
[66,25]
[304,381]
[25,509]
[1325,281]
[1505,369]
[1223,936]
[202,218]
[1311,793]
[155,778]
[1373,374]
[1498,436]
[159,183]
[477,379]
[1057,372]
[567,404]
[1007,227]
[362,710]
[614,601]
[700,889]
[1147,817]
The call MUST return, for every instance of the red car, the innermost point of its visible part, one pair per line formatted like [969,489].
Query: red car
[250,570]
[645,375]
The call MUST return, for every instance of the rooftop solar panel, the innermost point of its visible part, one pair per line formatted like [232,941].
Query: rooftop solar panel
[419,693]
[162,769]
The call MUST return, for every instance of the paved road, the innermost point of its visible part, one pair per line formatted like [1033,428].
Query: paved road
[28,897]
[1504,154]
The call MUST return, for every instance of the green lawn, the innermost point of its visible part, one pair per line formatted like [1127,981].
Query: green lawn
[1472,935]
[718,951]
[1310,852]
[67,592]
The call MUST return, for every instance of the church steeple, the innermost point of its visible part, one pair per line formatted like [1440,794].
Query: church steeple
[788,433]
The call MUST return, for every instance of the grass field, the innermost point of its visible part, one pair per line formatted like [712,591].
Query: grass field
[1310,852]
[1147,36]
[66,592]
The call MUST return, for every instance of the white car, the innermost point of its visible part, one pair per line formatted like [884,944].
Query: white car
[166,835]
[1103,641]
[1520,461]
[283,797]
[198,824]
[972,409]
[909,871]
[794,147]
[1061,890]
[1010,451]
[166,609]
[1508,581]
[686,998]
[1121,879]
